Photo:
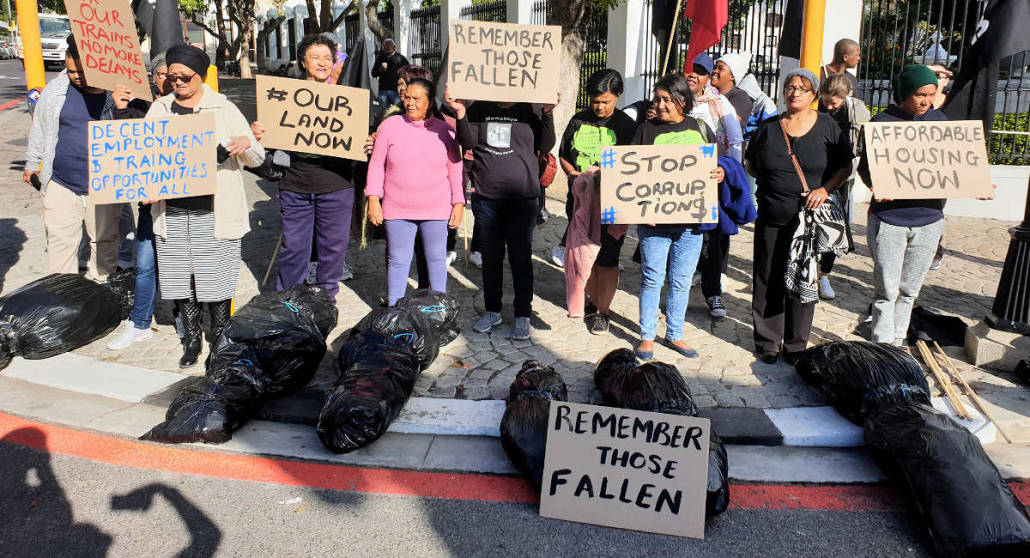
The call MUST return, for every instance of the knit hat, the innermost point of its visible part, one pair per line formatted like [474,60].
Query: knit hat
[738,64]
[157,61]
[189,56]
[911,79]
[801,72]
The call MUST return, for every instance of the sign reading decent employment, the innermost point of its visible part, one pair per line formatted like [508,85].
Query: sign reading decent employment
[503,61]
[918,160]
[626,469]
[105,32]
[659,184]
[152,159]
[313,117]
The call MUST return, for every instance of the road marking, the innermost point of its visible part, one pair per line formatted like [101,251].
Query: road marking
[142,455]
[10,104]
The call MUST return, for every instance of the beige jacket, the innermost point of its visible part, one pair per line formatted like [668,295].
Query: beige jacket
[232,218]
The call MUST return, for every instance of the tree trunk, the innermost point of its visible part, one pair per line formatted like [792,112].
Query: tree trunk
[374,25]
[220,27]
[245,31]
[259,51]
[572,47]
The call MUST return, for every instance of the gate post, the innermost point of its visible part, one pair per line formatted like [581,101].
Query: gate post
[520,11]
[449,9]
[626,47]
[402,25]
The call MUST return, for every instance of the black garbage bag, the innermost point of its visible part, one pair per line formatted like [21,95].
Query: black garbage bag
[966,504]
[524,424]
[408,325]
[929,326]
[123,283]
[273,344]
[374,385]
[857,376]
[659,388]
[439,309]
[56,314]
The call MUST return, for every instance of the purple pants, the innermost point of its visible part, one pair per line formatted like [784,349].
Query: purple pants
[324,218]
[400,246]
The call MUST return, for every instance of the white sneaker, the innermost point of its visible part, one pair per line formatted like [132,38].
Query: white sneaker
[451,256]
[825,290]
[129,335]
[476,258]
[558,256]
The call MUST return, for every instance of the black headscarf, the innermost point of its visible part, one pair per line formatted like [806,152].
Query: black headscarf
[189,56]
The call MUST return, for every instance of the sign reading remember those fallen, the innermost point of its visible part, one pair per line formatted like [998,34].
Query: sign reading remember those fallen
[627,469]
[109,50]
[152,159]
[313,117]
[919,160]
[503,62]
[660,184]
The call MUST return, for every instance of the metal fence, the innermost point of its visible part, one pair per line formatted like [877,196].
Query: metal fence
[424,48]
[594,29]
[496,11]
[350,26]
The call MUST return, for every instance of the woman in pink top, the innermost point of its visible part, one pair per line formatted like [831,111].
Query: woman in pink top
[415,184]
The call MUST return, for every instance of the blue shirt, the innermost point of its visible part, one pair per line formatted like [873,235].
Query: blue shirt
[71,164]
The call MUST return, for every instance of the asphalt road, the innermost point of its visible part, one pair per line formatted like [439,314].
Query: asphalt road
[12,80]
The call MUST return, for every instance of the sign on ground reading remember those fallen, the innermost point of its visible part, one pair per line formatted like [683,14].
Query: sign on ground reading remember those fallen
[643,184]
[503,62]
[152,159]
[626,469]
[313,117]
[105,33]
[919,160]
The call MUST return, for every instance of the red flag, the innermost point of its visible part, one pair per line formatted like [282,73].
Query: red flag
[707,18]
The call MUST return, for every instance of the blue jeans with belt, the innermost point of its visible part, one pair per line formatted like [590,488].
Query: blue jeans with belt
[675,248]
[146,271]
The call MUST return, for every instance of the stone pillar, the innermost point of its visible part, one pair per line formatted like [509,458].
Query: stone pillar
[520,11]
[402,25]
[843,21]
[449,9]
[626,47]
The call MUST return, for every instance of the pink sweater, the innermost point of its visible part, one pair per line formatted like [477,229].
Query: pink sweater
[416,169]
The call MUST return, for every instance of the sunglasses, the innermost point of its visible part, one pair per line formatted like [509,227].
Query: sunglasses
[180,79]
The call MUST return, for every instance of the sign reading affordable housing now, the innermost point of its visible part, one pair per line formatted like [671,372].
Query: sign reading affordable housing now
[659,184]
[920,160]
[152,159]
[109,49]
[503,62]
[626,469]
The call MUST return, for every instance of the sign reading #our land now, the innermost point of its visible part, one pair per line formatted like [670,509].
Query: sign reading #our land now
[152,159]
[626,469]
[313,117]
[659,184]
[503,62]
[920,160]
[109,50]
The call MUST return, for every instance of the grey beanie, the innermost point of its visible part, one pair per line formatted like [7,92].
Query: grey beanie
[804,73]
[157,61]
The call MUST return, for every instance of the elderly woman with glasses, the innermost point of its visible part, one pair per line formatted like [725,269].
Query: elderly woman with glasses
[797,148]
[198,238]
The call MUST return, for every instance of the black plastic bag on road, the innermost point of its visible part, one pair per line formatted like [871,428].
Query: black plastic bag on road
[959,493]
[658,387]
[407,325]
[524,424]
[378,375]
[273,344]
[858,377]
[123,283]
[439,309]
[56,314]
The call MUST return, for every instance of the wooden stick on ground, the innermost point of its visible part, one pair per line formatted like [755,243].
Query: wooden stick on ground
[949,390]
[465,234]
[969,391]
[275,256]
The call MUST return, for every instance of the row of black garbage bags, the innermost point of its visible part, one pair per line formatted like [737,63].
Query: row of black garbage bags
[275,342]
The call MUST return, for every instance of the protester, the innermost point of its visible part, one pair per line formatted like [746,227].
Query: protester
[137,328]
[715,110]
[198,238]
[56,163]
[674,246]
[415,184]
[836,98]
[903,234]
[823,154]
[588,132]
[387,62]
[505,139]
[316,195]
[728,71]
[846,56]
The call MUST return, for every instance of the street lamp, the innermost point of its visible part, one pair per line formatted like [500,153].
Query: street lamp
[1011,310]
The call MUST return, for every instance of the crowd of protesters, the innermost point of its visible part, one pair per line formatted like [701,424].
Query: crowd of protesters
[427,161]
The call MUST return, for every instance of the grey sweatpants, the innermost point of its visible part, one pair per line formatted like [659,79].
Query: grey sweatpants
[901,259]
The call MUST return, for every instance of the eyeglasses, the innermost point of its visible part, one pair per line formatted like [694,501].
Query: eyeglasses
[796,89]
[180,79]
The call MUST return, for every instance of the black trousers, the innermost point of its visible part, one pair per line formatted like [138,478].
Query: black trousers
[779,317]
[714,256]
[506,226]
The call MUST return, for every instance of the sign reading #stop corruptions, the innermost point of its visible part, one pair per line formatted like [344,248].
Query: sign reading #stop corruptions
[659,184]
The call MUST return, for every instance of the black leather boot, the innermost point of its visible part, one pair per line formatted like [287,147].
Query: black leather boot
[189,315]
[219,312]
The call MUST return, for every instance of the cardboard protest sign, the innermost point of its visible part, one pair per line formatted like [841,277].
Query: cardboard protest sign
[152,159]
[919,160]
[105,32]
[660,184]
[313,117]
[626,469]
[503,61]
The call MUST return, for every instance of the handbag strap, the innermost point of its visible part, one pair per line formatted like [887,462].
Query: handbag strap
[794,158]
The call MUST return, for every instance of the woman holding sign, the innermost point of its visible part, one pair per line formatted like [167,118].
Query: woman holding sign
[677,247]
[198,238]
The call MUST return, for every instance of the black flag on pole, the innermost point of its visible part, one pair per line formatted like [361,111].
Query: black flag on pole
[790,36]
[662,14]
[161,21]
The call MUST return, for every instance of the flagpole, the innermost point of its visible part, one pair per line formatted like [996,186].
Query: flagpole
[672,36]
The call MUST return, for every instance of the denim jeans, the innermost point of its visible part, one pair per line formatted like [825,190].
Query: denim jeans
[388,97]
[146,271]
[680,248]
[507,225]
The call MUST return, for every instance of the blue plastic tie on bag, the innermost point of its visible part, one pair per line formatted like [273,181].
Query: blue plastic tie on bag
[292,308]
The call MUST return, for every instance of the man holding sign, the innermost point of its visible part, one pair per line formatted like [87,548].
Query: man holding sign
[903,233]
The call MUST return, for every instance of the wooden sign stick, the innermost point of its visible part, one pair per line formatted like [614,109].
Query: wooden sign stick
[969,391]
[949,390]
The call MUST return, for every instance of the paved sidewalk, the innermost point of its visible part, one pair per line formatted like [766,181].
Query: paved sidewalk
[481,366]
